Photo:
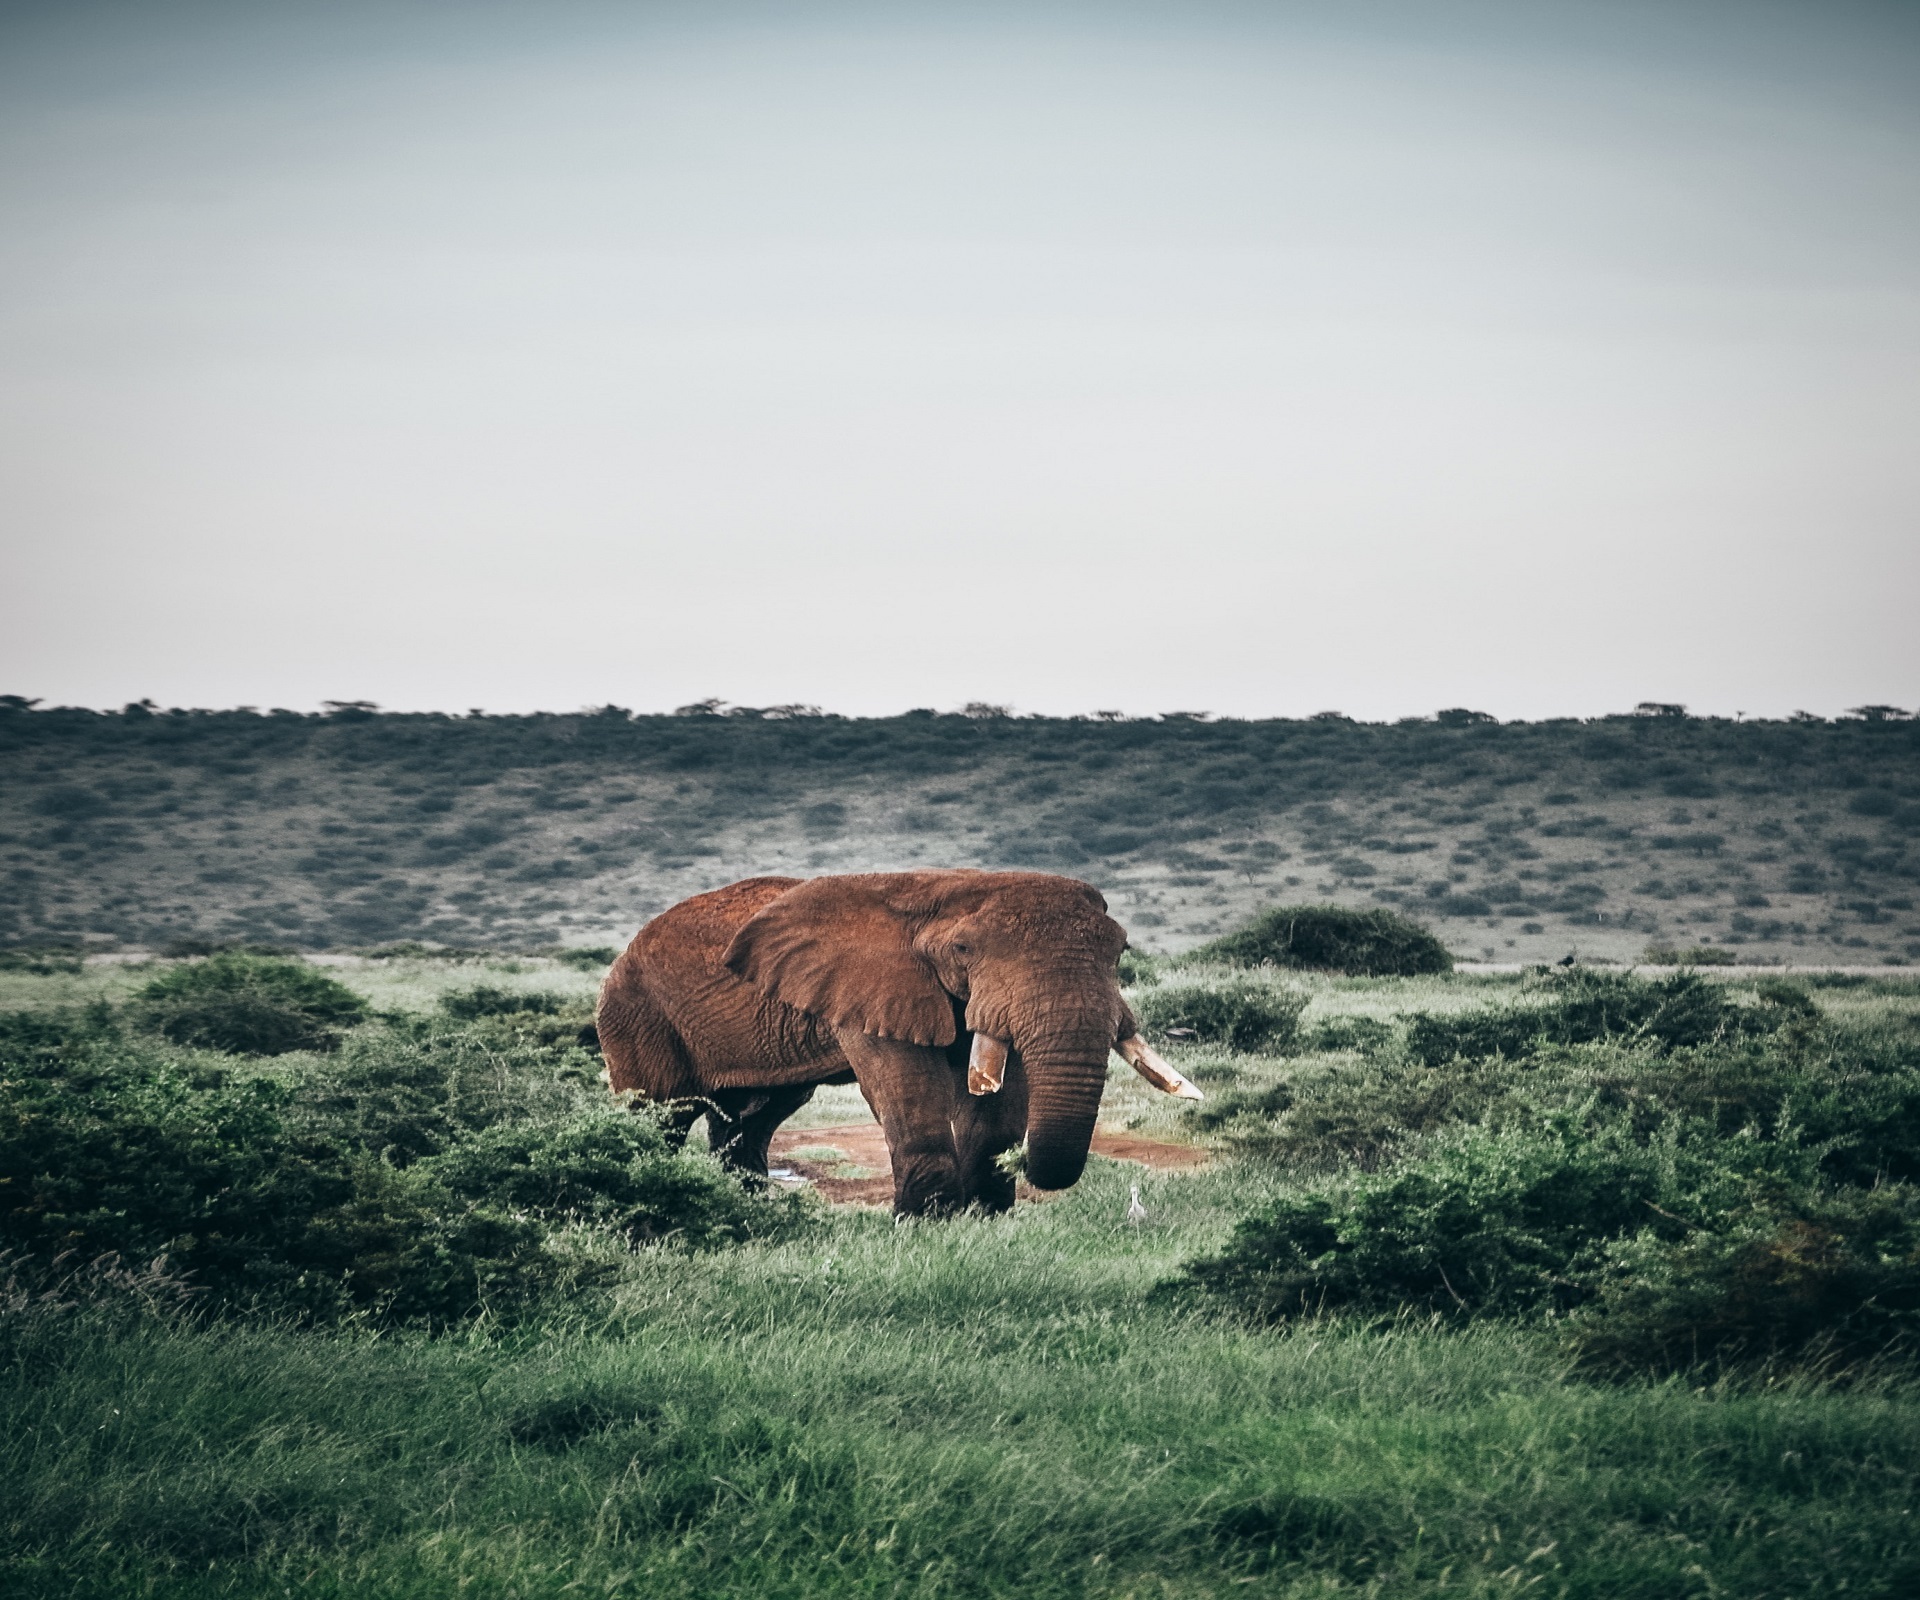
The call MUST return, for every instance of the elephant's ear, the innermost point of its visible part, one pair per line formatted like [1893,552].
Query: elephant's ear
[836,948]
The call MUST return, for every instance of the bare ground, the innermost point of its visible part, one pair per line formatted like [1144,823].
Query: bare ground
[848,1163]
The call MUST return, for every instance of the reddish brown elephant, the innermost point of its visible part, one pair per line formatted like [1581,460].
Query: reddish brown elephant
[972,1008]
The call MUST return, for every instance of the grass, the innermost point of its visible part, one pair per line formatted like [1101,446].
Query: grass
[979,1409]
[975,1408]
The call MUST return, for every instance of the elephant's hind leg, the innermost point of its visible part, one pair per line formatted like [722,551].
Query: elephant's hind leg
[741,1122]
[645,1054]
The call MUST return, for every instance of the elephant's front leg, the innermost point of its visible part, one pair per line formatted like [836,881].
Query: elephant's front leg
[985,1127]
[911,1089]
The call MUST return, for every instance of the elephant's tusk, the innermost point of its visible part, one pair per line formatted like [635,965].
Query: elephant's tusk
[1156,1069]
[987,1065]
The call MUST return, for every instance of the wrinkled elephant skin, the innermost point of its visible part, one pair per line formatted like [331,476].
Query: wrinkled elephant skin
[736,1004]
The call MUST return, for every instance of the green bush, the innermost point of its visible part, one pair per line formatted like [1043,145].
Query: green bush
[127,1152]
[1242,1016]
[1668,1252]
[1853,1096]
[1489,1221]
[1583,1007]
[1352,1033]
[588,958]
[248,1005]
[422,1175]
[42,1041]
[1333,939]
[1686,1179]
[41,959]
[1473,1035]
[483,1000]
[1699,955]
[613,1168]
[508,1019]
[1825,1279]
[416,1086]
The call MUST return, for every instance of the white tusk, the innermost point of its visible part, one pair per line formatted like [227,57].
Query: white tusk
[987,1065]
[1156,1069]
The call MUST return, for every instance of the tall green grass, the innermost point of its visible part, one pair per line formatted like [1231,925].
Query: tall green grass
[984,1408]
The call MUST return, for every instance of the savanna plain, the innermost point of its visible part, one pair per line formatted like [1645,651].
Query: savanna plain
[332,1268]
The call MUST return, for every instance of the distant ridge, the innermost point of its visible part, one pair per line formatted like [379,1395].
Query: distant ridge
[1794,840]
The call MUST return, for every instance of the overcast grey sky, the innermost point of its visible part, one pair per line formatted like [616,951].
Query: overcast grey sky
[1261,359]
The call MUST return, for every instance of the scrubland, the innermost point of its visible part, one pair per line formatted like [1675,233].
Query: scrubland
[1785,842]
[1556,1283]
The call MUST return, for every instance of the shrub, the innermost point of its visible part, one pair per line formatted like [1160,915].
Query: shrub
[417,1177]
[131,1154]
[588,958]
[824,817]
[1691,1182]
[70,802]
[1584,1007]
[1824,1279]
[1460,905]
[1241,1016]
[1475,1035]
[1352,1033]
[249,1005]
[1334,939]
[483,1000]
[416,1086]
[41,959]
[1486,1221]
[1699,955]
[613,1168]
[48,1041]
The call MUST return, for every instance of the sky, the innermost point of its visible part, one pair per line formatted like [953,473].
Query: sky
[1261,359]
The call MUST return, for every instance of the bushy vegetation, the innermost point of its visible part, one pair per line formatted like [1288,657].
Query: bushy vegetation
[1366,944]
[1671,1173]
[1584,1006]
[40,959]
[1240,1016]
[249,1005]
[164,830]
[610,1168]
[1763,1260]
[425,1172]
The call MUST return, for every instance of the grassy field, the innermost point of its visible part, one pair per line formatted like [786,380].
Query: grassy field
[976,1407]
[1790,841]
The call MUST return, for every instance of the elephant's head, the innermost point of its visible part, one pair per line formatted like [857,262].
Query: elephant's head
[1031,960]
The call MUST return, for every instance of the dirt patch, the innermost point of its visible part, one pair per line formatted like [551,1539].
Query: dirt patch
[861,1145]
[1153,1154]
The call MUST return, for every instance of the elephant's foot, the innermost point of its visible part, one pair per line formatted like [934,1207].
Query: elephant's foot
[927,1189]
[992,1191]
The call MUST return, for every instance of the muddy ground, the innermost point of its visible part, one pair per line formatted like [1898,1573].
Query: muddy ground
[847,1162]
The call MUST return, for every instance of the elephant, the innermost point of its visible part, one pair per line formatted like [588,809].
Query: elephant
[972,1008]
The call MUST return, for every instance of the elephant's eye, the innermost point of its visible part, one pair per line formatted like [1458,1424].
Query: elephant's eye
[961,948]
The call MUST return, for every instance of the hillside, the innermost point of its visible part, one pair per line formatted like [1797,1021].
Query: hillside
[1793,841]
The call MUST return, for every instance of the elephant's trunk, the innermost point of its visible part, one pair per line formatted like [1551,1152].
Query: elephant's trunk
[1063,1099]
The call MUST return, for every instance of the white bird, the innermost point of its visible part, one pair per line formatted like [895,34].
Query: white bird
[1136,1213]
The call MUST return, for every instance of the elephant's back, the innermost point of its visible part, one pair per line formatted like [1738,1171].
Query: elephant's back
[673,971]
[701,927]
